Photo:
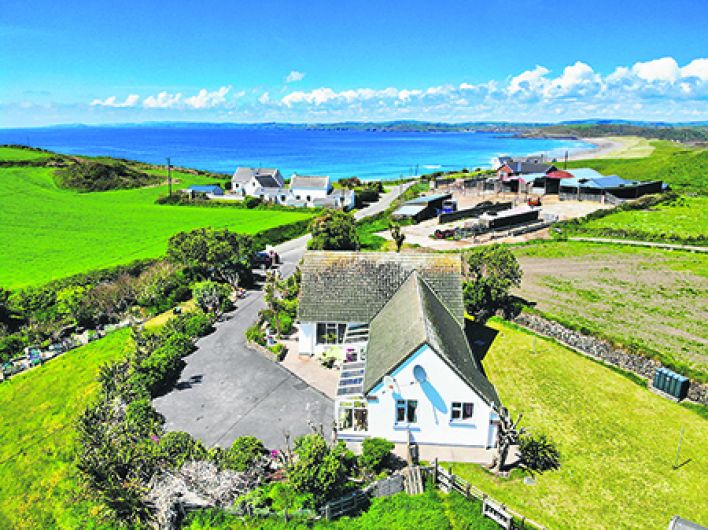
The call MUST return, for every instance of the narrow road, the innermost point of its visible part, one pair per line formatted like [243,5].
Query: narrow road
[227,390]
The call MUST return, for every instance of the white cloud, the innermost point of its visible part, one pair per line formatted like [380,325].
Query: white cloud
[656,89]
[164,100]
[529,81]
[696,68]
[664,69]
[294,76]
[112,101]
[208,100]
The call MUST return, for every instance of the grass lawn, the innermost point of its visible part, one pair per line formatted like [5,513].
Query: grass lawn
[682,219]
[617,441]
[683,168]
[650,300]
[38,483]
[49,232]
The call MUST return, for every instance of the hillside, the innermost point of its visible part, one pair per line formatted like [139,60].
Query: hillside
[50,232]
[38,478]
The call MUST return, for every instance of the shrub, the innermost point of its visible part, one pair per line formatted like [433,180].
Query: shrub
[244,452]
[178,447]
[538,454]
[319,469]
[256,334]
[92,175]
[212,297]
[279,350]
[375,455]
[251,202]
[334,230]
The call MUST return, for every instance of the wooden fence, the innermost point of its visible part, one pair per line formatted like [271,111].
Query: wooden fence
[507,518]
[350,504]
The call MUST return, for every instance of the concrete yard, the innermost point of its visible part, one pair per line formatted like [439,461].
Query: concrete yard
[227,390]
[420,234]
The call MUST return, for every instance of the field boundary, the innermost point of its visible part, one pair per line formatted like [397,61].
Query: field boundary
[602,351]
[633,242]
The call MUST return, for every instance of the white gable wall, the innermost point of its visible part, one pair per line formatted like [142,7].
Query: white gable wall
[434,425]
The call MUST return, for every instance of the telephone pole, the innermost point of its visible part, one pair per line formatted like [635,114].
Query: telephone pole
[169,177]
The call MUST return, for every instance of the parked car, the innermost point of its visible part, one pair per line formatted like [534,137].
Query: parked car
[263,260]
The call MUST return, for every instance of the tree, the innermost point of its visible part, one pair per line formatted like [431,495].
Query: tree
[219,255]
[319,469]
[212,297]
[273,295]
[508,433]
[492,272]
[538,453]
[334,230]
[397,234]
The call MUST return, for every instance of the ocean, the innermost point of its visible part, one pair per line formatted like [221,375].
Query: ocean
[344,153]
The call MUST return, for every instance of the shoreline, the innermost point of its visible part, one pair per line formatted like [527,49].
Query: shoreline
[602,147]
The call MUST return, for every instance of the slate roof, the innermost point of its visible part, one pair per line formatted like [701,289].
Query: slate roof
[597,182]
[244,174]
[354,286]
[309,182]
[206,188]
[413,317]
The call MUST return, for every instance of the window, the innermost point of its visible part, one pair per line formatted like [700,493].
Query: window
[406,411]
[353,416]
[308,198]
[330,333]
[461,411]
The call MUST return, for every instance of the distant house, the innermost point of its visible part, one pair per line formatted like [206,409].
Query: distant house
[265,183]
[207,189]
[508,167]
[307,189]
[408,373]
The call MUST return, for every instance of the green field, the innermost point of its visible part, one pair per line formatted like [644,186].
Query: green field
[685,219]
[38,479]
[650,300]
[13,154]
[683,168]
[50,233]
[617,441]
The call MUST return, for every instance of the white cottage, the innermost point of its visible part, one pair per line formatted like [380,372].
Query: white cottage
[305,190]
[409,374]
[265,183]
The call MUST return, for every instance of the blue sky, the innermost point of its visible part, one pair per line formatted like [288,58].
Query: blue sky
[107,62]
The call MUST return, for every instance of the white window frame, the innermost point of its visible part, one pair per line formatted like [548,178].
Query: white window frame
[405,406]
[458,408]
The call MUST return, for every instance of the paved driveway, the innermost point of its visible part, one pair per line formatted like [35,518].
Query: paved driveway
[227,390]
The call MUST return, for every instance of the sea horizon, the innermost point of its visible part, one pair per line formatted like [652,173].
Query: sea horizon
[338,153]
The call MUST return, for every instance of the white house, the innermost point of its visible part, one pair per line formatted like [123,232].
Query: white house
[409,374]
[305,190]
[265,183]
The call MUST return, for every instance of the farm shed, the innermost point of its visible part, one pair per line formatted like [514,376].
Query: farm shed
[586,186]
[210,189]
[422,208]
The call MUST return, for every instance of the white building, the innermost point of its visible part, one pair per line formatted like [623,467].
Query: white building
[264,183]
[268,185]
[305,190]
[408,374]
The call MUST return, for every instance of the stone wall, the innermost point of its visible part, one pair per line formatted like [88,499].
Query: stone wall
[604,351]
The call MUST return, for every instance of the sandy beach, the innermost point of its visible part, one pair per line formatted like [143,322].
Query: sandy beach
[602,147]
[614,147]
